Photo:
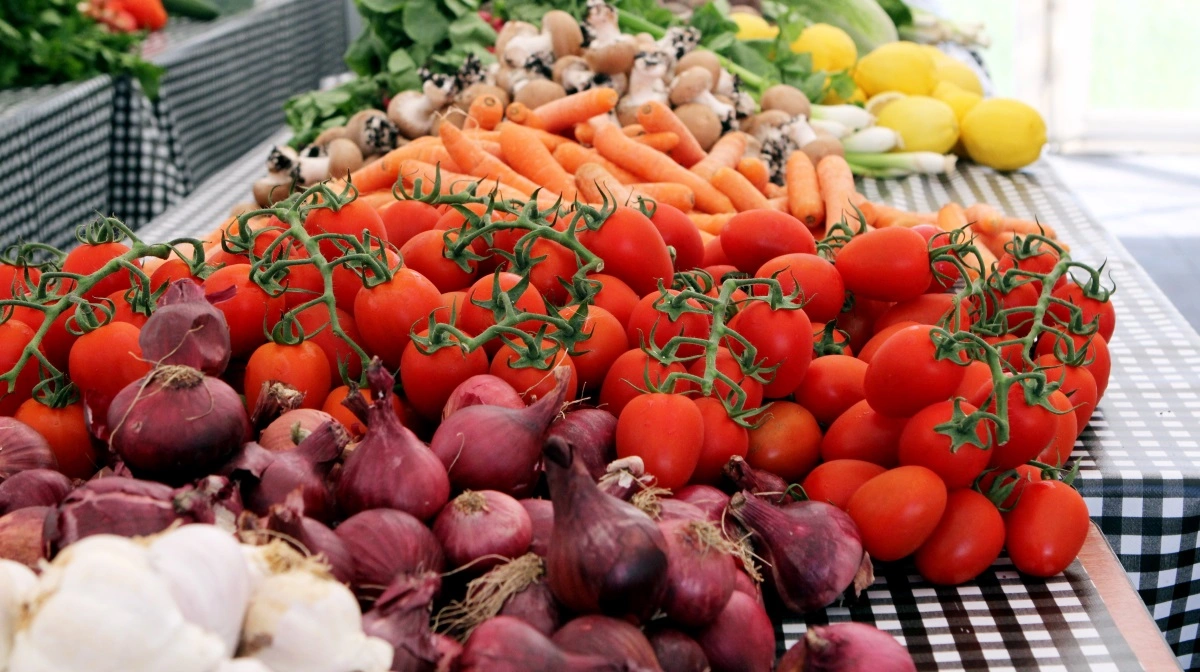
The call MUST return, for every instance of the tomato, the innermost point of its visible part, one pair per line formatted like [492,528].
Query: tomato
[898,510]
[17,280]
[1091,309]
[1042,260]
[862,433]
[14,337]
[425,253]
[837,481]
[859,321]
[945,273]
[966,541]
[1019,478]
[925,309]
[1030,430]
[833,384]
[123,311]
[1076,382]
[729,365]
[867,352]
[354,219]
[1020,300]
[751,239]
[837,337]
[66,430]
[782,338]
[904,376]
[303,366]
[1096,358]
[429,378]
[58,341]
[821,288]
[250,312]
[333,406]
[889,264]
[474,319]
[557,265]
[678,231]
[606,342]
[347,282]
[615,296]
[921,444]
[632,250]
[87,259]
[105,360]
[1059,450]
[669,449]
[650,323]
[714,254]
[786,443]
[452,303]
[976,384]
[386,314]
[1012,355]
[314,320]
[530,382]
[1047,527]
[723,438]
[626,379]
[404,219]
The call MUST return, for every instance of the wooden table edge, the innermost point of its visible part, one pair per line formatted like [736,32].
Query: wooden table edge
[1128,611]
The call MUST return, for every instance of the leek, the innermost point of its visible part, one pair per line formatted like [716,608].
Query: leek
[895,164]
[874,140]
[852,117]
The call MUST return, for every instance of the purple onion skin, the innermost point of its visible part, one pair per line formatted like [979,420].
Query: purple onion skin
[315,538]
[449,651]
[385,544]
[592,433]
[811,550]
[22,448]
[506,644]
[22,535]
[482,390]
[706,498]
[541,515]
[742,583]
[741,639]
[846,647]
[700,578]
[536,606]
[269,477]
[758,481]
[400,617]
[609,638]
[186,329]
[127,507]
[479,524]
[676,652]
[677,509]
[34,487]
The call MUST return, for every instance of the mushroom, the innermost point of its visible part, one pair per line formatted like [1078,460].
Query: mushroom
[780,140]
[566,35]
[451,115]
[573,74]
[344,157]
[474,91]
[329,135]
[372,131]
[281,159]
[822,146]
[528,41]
[538,92]
[618,82]
[694,85]
[765,123]
[702,122]
[647,82]
[271,189]
[679,41]
[560,36]
[609,51]
[412,112]
[788,99]
[702,58]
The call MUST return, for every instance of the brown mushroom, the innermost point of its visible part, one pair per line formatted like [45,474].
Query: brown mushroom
[454,116]
[823,146]
[344,157]
[786,98]
[689,84]
[329,135]
[474,91]
[511,30]
[565,34]
[613,58]
[702,122]
[372,131]
[538,92]
[759,124]
[573,73]
[271,189]
[700,58]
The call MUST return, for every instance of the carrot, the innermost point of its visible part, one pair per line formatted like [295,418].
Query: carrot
[439,155]
[779,203]
[381,174]
[455,183]
[657,117]
[518,113]
[867,209]
[585,133]
[571,156]
[487,111]
[480,134]
[952,217]
[655,166]
[671,193]
[1024,226]
[523,151]
[561,114]
[836,184]
[710,223]
[984,218]
[727,152]
[378,199]
[887,216]
[475,161]
[740,191]
[550,140]
[595,183]
[753,169]
[803,193]
[775,190]
[633,130]
[663,142]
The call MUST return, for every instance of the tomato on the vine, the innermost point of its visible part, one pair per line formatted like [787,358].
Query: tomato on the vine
[632,249]
[387,313]
[428,378]
[66,430]
[315,322]
[836,481]
[1090,309]
[1018,478]
[474,319]
[451,307]
[530,382]
[867,352]
[1046,528]
[1031,430]
[905,375]
[723,439]
[889,264]
[945,273]
[669,451]
[1094,349]
[859,321]
[628,375]
[678,231]
[714,254]
[751,239]
[926,309]
[898,510]
[821,289]
[605,343]
[921,444]
[123,311]
[782,338]
[333,405]
[105,360]
[303,366]
[425,253]
[1059,451]
[1076,382]
[649,323]
[976,384]
[862,433]
[966,541]
[615,296]
[14,337]
[250,312]
[557,264]
[787,443]
[729,365]
[404,219]
[87,259]
[354,219]
[17,280]
[833,384]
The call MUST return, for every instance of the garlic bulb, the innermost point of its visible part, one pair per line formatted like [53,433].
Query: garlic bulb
[101,607]
[299,621]
[243,665]
[208,576]
[16,582]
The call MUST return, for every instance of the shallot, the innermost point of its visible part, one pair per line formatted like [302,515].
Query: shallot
[312,536]
[541,516]
[609,638]
[676,652]
[400,617]
[22,535]
[741,639]
[33,487]
[290,429]
[700,571]
[22,448]
[482,529]
[187,329]
[592,433]
[269,476]
[505,644]
[385,544]
[846,647]
[706,498]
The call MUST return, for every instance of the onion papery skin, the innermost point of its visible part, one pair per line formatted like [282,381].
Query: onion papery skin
[706,498]
[505,644]
[475,525]
[741,639]
[700,572]
[22,535]
[400,617]
[535,605]
[186,329]
[592,434]
[127,507]
[609,638]
[677,652]
[385,544]
[311,536]
[22,448]
[846,647]
[482,390]
[33,487]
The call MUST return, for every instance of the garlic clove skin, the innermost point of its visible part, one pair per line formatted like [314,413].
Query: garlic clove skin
[16,583]
[243,665]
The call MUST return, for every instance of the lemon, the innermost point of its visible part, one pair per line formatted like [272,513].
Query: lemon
[939,57]
[877,102]
[753,27]
[896,66]
[832,98]
[959,100]
[960,74]
[831,48]
[925,124]
[1003,133]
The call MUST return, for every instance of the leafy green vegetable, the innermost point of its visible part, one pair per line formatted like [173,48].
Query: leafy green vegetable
[51,42]
[899,12]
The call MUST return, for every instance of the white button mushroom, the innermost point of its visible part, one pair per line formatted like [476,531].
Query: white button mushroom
[694,85]
[609,51]
[372,131]
[647,82]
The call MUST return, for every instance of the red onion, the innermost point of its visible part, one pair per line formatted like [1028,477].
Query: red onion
[496,448]
[187,330]
[391,468]
[176,423]
[22,448]
[213,500]
[592,433]
[22,535]
[115,505]
[536,606]
[741,639]
[268,477]
[706,498]
[541,517]
[768,486]
[605,554]
[482,390]
[700,572]
[625,478]
[812,549]
[400,617]
[449,651]
[677,509]
[312,536]
[33,487]
[609,638]
[742,583]
[288,430]
[846,647]
[506,644]
[385,544]
[477,524]
[676,652]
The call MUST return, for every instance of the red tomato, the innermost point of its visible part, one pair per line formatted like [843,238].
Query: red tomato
[404,219]
[821,288]
[650,323]
[626,379]
[66,430]
[976,384]
[966,541]
[452,303]
[862,433]
[632,250]
[615,296]
[606,342]
[1095,354]
[58,341]
[837,337]
[678,231]
[1012,355]
[782,338]
[1042,260]
[337,351]
[945,273]
[429,378]
[386,314]
[867,352]
[714,254]
[787,443]
[921,444]
[925,309]
[474,319]
[898,510]
[1076,383]
[530,382]
[1091,309]
[1030,431]
[250,313]
[355,219]
[751,239]
[729,365]
[670,450]
[889,264]
[87,259]
[14,337]
[859,321]
[347,282]
[836,481]
[123,310]
[302,366]
[557,265]
[904,377]
[1059,450]
[723,438]
[333,405]
[1020,300]
[1019,478]
[104,361]
[17,280]
[1047,527]
[425,253]
[833,384]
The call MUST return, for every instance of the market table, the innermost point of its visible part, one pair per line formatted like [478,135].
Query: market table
[1140,465]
